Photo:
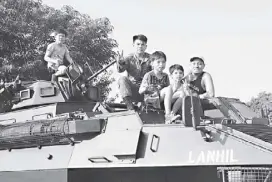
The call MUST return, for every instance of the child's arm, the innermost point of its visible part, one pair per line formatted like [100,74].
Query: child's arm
[122,64]
[167,81]
[67,56]
[48,53]
[185,86]
[145,84]
[208,82]
[168,99]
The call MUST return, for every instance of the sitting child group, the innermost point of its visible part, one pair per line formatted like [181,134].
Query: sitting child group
[145,79]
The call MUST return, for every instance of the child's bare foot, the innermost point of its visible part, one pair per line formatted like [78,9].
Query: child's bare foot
[169,118]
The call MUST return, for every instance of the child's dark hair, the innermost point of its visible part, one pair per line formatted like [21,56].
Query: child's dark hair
[175,67]
[157,55]
[140,37]
[61,31]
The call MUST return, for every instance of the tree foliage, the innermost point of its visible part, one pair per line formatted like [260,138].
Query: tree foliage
[262,104]
[25,26]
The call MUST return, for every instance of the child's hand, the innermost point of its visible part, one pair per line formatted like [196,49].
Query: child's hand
[185,84]
[187,90]
[195,94]
[159,87]
[120,58]
[152,88]
[149,89]
[58,62]
[155,94]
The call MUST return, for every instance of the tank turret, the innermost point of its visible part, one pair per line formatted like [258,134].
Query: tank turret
[27,100]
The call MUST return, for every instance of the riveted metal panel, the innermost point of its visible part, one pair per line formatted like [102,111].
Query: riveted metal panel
[52,157]
[27,114]
[117,147]
[176,145]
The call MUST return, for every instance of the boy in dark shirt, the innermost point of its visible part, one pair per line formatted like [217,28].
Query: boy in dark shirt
[199,82]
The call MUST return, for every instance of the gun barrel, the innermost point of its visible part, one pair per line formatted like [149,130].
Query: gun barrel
[100,71]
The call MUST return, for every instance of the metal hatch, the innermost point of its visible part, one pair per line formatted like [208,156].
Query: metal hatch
[117,147]
[117,144]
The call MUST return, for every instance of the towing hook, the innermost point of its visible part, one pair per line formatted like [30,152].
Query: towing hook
[206,134]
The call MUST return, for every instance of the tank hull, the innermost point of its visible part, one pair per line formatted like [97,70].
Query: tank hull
[127,150]
[143,174]
[54,175]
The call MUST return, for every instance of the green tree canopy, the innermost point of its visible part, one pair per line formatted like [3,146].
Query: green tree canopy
[25,26]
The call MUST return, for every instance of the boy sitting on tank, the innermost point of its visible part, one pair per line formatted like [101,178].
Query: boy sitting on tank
[56,53]
[155,83]
[136,65]
[198,81]
[175,93]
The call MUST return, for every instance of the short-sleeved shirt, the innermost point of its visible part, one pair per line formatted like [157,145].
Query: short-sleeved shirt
[135,68]
[150,79]
[56,51]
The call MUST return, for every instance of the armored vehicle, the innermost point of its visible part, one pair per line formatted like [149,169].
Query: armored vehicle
[64,133]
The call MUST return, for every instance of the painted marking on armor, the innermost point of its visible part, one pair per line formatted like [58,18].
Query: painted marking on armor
[212,156]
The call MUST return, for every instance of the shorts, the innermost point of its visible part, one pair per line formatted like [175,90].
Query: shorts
[61,70]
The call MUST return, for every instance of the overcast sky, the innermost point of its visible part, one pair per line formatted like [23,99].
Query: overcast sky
[234,36]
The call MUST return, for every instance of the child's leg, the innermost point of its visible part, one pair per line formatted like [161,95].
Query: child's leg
[53,78]
[61,70]
[178,96]
[166,97]
[171,116]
